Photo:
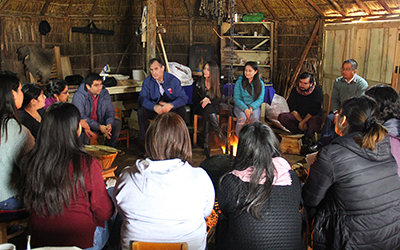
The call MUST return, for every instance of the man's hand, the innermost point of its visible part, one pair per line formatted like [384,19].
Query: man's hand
[204,102]
[84,124]
[106,130]
[303,126]
[167,107]
[158,109]
[89,133]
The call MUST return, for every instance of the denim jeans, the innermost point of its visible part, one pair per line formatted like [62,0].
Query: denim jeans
[241,118]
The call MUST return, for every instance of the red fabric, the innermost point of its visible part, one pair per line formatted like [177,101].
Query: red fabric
[93,115]
[76,226]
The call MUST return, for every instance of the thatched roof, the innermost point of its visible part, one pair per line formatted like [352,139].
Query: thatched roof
[272,9]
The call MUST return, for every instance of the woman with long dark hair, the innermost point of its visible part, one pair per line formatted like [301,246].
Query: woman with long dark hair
[353,189]
[248,95]
[32,111]
[15,139]
[56,91]
[206,100]
[62,186]
[260,198]
[164,198]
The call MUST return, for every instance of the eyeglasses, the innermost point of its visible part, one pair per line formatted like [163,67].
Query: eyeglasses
[348,70]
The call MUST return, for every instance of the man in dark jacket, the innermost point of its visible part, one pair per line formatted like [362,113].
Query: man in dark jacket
[161,93]
[94,103]
[305,108]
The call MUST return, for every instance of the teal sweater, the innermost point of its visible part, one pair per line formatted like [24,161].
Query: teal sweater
[243,100]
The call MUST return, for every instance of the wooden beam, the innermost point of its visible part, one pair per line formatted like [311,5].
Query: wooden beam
[45,7]
[187,4]
[151,31]
[244,5]
[69,8]
[317,8]
[338,8]
[274,15]
[165,10]
[5,6]
[303,57]
[384,5]
[96,2]
[290,6]
[120,8]
[363,6]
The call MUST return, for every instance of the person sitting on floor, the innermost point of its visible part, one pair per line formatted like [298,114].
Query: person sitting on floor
[15,140]
[353,189]
[388,101]
[32,111]
[206,100]
[94,103]
[248,95]
[164,198]
[260,198]
[305,103]
[62,186]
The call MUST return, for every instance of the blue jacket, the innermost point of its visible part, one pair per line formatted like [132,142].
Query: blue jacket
[105,109]
[243,100]
[150,94]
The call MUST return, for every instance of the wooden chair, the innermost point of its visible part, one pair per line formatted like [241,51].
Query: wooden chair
[138,245]
[9,219]
[195,130]
[124,134]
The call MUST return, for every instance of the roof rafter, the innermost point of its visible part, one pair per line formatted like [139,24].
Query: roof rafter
[45,7]
[165,9]
[5,6]
[316,8]
[273,13]
[96,2]
[188,9]
[244,5]
[338,8]
[363,6]
[291,8]
[384,5]
[69,8]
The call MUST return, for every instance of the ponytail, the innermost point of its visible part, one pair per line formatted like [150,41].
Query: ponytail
[374,133]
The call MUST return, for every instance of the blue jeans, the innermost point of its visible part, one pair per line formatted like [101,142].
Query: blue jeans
[241,118]
[12,203]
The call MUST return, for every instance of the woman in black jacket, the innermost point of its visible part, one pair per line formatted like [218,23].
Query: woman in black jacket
[206,100]
[353,187]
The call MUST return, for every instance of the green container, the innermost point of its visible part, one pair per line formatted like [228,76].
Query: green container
[253,17]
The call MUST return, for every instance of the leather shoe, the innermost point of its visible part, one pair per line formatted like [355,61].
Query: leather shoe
[314,148]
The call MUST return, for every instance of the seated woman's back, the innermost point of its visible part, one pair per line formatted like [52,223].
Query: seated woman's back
[260,198]
[164,198]
[62,186]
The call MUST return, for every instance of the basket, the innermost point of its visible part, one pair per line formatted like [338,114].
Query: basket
[104,154]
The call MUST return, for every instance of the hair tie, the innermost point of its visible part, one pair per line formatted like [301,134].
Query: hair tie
[369,122]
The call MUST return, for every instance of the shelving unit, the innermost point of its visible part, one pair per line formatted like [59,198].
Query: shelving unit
[253,42]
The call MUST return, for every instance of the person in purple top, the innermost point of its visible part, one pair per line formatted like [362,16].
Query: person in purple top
[56,91]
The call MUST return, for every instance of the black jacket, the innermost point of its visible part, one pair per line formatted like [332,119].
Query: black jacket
[356,193]
[199,94]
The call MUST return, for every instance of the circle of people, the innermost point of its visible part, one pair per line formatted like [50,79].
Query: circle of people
[351,196]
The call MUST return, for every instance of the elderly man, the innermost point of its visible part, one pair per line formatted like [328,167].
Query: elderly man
[94,103]
[305,108]
[161,93]
[348,85]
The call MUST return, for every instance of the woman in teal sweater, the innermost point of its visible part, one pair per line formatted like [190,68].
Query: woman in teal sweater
[248,95]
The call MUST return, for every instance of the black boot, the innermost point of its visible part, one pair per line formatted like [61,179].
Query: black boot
[215,125]
[206,133]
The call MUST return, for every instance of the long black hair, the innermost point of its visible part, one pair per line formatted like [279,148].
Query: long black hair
[257,146]
[46,184]
[8,110]
[256,81]
[214,90]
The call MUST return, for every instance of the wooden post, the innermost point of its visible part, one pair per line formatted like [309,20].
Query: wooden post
[91,53]
[151,30]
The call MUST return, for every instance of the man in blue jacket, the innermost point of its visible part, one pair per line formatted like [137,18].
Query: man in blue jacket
[94,103]
[161,93]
